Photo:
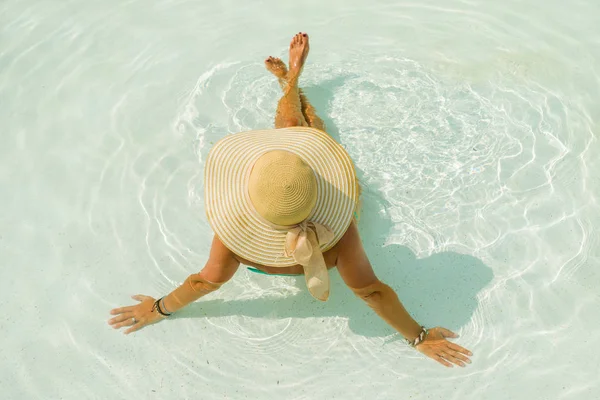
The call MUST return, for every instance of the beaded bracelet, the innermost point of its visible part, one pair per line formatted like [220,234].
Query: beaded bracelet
[418,339]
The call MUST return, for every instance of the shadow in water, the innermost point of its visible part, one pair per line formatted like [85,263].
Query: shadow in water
[439,290]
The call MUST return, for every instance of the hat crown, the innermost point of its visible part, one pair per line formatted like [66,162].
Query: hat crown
[282,188]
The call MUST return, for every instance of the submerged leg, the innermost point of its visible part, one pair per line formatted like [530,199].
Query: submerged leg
[278,68]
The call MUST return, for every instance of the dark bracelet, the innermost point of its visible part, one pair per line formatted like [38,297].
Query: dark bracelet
[419,339]
[160,310]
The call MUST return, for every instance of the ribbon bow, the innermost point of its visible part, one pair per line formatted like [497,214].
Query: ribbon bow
[303,243]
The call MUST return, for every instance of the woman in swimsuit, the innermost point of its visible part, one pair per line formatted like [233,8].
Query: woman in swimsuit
[348,255]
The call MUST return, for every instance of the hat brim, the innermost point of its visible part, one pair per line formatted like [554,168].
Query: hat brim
[228,207]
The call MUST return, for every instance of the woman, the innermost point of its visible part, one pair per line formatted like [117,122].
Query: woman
[283,201]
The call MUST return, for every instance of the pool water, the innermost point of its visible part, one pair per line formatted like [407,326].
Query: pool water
[474,126]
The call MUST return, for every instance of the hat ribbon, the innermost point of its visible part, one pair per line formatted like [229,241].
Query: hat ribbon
[303,243]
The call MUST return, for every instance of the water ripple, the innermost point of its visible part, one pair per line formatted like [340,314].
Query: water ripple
[474,130]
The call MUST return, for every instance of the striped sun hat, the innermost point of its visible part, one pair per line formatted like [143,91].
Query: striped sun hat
[281,197]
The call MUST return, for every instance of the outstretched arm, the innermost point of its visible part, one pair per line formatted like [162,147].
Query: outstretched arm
[220,267]
[357,273]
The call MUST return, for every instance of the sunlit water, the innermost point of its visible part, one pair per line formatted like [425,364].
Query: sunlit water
[474,126]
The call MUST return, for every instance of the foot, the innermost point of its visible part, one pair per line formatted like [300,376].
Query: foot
[298,52]
[277,67]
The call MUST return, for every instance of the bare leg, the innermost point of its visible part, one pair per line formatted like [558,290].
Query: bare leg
[289,109]
[279,69]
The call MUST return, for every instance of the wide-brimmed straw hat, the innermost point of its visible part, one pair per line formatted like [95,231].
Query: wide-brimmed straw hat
[281,197]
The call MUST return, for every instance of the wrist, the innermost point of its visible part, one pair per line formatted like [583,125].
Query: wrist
[157,307]
[164,307]
[420,338]
[413,332]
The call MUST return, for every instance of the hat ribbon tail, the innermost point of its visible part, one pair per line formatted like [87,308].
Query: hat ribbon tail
[303,242]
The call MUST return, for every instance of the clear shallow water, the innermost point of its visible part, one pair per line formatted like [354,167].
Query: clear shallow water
[475,129]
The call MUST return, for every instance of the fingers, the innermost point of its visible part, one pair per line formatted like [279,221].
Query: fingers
[121,318]
[121,310]
[140,297]
[442,361]
[459,356]
[127,322]
[444,351]
[448,333]
[451,356]
[135,327]
[458,348]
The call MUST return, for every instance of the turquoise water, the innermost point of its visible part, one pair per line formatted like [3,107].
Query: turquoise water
[474,125]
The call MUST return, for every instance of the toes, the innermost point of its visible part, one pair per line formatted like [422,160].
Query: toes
[297,38]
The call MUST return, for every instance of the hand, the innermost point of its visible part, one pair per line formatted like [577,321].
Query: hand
[136,317]
[437,347]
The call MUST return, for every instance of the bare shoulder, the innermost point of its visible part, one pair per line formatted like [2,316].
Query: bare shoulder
[219,251]
[221,264]
[352,261]
[350,237]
